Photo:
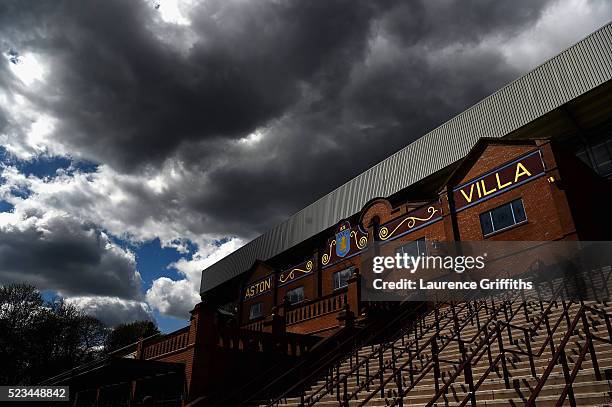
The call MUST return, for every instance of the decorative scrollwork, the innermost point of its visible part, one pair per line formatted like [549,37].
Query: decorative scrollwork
[362,242]
[291,274]
[327,256]
[384,233]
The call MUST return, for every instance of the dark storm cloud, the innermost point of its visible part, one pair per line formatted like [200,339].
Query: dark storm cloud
[319,150]
[4,84]
[3,120]
[63,255]
[440,23]
[125,97]
[333,100]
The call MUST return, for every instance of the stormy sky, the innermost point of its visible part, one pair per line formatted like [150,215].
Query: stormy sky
[141,141]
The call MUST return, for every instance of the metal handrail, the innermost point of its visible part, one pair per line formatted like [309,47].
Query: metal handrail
[331,357]
[336,359]
[560,354]
[432,363]
[464,366]
[499,326]
[379,351]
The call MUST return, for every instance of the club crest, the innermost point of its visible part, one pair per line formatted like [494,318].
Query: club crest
[343,239]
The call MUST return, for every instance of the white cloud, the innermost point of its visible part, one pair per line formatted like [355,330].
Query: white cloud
[118,203]
[137,207]
[112,310]
[29,68]
[561,25]
[54,251]
[172,297]
[205,257]
[172,11]
[177,297]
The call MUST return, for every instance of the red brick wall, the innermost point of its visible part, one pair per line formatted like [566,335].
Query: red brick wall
[542,220]
[549,217]
[587,196]
[316,324]
[434,231]
[310,287]
[267,298]
[493,156]
[541,200]
[381,208]
[328,273]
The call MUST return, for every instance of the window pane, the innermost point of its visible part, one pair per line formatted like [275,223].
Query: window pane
[601,156]
[485,223]
[519,210]
[582,155]
[422,247]
[341,277]
[410,248]
[502,217]
[255,311]
[296,295]
[413,249]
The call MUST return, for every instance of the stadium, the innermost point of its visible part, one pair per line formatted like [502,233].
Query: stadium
[284,320]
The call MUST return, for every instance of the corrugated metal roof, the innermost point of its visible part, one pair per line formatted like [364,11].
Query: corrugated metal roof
[575,71]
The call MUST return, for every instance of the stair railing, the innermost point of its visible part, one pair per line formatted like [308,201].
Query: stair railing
[334,357]
[496,335]
[434,362]
[378,356]
[500,326]
[496,330]
[560,355]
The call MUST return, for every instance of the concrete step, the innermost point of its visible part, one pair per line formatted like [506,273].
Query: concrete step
[582,399]
[457,394]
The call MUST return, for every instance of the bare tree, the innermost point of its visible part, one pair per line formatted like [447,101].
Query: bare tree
[40,339]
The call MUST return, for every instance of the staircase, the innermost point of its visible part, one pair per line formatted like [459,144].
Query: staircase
[506,350]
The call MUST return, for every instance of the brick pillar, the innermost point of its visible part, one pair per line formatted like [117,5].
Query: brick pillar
[449,217]
[284,306]
[346,317]
[203,335]
[134,383]
[133,388]
[558,190]
[275,323]
[139,349]
[364,274]
[316,256]
[206,325]
[353,296]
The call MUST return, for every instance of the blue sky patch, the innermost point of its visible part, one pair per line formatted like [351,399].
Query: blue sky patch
[169,324]
[153,262]
[44,166]
[5,206]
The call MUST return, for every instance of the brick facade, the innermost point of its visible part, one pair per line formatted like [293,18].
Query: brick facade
[553,201]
